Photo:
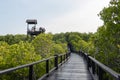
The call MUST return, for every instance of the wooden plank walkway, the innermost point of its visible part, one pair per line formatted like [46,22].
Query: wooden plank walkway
[74,69]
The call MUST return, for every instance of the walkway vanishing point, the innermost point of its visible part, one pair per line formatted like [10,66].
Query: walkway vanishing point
[74,69]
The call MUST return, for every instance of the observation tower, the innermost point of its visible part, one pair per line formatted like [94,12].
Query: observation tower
[31,28]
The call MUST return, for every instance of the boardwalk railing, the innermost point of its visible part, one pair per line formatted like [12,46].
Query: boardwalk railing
[58,60]
[98,70]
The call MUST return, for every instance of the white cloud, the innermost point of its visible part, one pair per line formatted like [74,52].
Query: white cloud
[82,19]
[54,15]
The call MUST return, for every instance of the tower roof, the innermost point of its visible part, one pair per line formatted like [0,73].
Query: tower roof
[31,21]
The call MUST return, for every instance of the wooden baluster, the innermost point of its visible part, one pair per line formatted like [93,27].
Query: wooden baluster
[47,67]
[88,63]
[61,59]
[64,58]
[93,67]
[100,73]
[31,72]
[56,61]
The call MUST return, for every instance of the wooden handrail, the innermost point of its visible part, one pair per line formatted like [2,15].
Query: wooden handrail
[98,68]
[22,66]
[30,66]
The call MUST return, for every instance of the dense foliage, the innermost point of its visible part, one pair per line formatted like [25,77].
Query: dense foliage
[45,46]
[76,41]
[12,39]
[16,54]
[108,36]
[17,50]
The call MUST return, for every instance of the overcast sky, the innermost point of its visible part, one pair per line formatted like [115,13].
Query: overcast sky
[54,15]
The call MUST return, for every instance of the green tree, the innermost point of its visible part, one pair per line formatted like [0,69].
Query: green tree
[13,39]
[59,38]
[17,54]
[59,48]
[43,44]
[107,37]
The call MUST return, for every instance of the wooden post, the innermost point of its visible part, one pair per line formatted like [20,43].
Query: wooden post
[61,59]
[56,61]
[64,58]
[93,67]
[88,62]
[31,72]
[100,73]
[47,67]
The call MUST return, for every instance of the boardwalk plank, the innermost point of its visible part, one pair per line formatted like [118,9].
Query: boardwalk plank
[74,69]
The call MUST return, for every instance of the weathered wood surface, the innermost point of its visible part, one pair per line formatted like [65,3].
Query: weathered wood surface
[74,69]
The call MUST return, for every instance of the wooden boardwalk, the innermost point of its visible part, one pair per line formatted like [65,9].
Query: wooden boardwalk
[74,69]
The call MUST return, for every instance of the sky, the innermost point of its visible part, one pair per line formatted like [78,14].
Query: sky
[55,16]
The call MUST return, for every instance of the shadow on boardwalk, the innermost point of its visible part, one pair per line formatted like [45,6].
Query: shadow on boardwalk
[74,69]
